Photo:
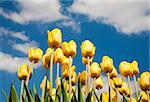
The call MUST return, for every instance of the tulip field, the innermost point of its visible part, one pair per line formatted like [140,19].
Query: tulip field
[82,86]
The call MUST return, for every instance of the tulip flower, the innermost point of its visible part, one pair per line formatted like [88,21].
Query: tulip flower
[114,73]
[23,73]
[133,100]
[42,85]
[135,68]
[95,70]
[124,90]
[99,83]
[65,71]
[118,82]
[54,38]
[85,60]
[126,71]
[107,67]
[144,82]
[74,79]
[112,84]
[105,97]
[58,82]
[82,77]
[144,97]
[35,55]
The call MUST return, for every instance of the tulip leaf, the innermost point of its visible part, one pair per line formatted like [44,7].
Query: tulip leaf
[34,89]
[58,94]
[6,97]
[80,96]
[23,99]
[140,99]
[46,98]
[64,94]
[96,95]
[89,97]
[37,99]
[124,98]
[29,95]
[13,94]
[74,98]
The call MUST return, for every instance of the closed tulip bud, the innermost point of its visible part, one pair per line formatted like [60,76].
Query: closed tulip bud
[35,55]
[46,58]
[85,60]
[135,68]
[118,82]
[69,49]
[83,76]
[143,96]
[87,49]
[133,100]
[23,71]
[112,84]
[125,69]
[99,83]
[114,73]
[144,81]
[58,83]
[58,55]
[95,70]
[124,89]
[42,85]
[107,64]
[54,38]
[65,61]
[85,89]
[74,78]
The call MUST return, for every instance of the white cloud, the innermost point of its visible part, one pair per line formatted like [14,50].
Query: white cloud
[18,35]
[11,63]
[25,46]
[127,16]
[35,10]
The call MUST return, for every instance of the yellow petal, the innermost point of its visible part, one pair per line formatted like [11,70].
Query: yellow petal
[95,70]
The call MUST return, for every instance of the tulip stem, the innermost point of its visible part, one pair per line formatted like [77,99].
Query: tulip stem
[148,95]
[109,87]
[70,59]
[43,89]
[117,94]
[57,69]
[88,74]
[129,84]
[86,81]
[21,91]
[135,87]
[51,72]
[94,90]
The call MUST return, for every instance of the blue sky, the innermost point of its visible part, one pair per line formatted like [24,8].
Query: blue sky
[117,29]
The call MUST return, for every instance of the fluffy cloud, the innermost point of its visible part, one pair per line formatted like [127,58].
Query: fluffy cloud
[35,10]
[127,16]
[25,46]
[18,35]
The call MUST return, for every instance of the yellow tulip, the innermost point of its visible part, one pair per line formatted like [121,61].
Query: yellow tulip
[23,71]
[135,68]
[42,85]
[114,73]
[87,49]
[144,81]
[118,82]
[143,96]
[112,84]
[46,58]
[69,49]
[82,77]
[125,69]
[85,60]
[85,89]
[113,94]
[95,70]
[58,55]
[105,97]
[35,55]
[107,64]
[99,83]
[65,61]
[124,89]
[133,100]
[74,78]
[54,38]
[53,94]
[58,83]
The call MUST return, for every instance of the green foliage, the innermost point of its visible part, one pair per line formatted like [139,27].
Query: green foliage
[80,96]
[64,94]
[13,94]
[6,97]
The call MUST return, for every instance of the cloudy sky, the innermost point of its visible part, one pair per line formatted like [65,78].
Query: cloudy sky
[119,29]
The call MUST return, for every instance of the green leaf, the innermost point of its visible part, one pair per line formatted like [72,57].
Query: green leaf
[58,94]
[96,95]
[140,99]
[80,96]
[64,94]
[46,98]
[6,97]
[124,98]
[29,96]
[37,99]
[74,98]
[88,99]
[101,98]
[34,89]
[23,99]
[13,94]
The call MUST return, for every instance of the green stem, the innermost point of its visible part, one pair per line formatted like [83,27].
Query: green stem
[70,59]
[21,90]
[136,89]
[51,72]
[129,84]
[43,89]
[109,86]
[88,67]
